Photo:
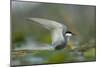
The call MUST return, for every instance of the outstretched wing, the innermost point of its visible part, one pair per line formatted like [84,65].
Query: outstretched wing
[48,24]
[57,29]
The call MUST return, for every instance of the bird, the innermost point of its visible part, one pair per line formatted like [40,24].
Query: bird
[59,34]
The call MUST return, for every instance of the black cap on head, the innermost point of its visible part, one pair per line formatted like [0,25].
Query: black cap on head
[68,32]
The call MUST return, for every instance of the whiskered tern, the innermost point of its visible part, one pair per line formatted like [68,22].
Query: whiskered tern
[59,32]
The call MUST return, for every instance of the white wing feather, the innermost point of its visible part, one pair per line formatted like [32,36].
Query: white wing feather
[49,24]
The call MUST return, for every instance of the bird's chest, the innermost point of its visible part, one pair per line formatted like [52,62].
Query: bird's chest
[58,39]
[59,44]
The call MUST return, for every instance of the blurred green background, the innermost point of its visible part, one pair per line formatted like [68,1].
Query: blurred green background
[80,19]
